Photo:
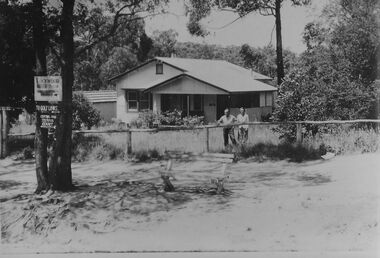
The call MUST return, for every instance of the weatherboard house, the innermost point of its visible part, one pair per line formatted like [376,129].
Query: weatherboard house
[194,86]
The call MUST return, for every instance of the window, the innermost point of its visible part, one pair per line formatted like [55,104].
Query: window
[159,68]
[132,102]
[144,101]
[197,102]
[246,100]
[138,101]
[255,100]
[268,99]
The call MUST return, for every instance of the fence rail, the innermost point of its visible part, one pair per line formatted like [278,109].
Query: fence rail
[207,128]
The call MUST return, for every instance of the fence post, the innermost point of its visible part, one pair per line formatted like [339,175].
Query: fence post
[207,140]
[299,133]
[129,142]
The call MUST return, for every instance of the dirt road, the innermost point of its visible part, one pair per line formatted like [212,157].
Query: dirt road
[329,205]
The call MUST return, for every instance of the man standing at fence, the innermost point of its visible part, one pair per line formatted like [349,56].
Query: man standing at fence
[243,129]
[228,131]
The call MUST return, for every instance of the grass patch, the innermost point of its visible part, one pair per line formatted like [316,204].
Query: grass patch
[295,153]
[87,147]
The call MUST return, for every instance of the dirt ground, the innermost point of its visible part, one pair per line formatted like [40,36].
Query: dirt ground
[320,206]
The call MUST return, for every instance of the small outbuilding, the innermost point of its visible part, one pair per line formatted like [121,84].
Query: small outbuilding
[104,101]
[194,86]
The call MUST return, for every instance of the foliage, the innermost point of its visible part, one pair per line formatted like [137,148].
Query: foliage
[263,60]
[209,51]
[344,139]
[17,57]
[286,150]
[164,42]
[84,114]
[145,120]
[173,117]
[331,80]
[86,147]
[198,10]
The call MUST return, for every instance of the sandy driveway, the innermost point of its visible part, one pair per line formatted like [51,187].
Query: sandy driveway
[329,205]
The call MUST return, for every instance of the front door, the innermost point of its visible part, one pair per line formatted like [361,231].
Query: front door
[222,102]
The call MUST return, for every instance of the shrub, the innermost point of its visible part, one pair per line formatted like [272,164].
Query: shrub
[142,156]
[107,151]
[27,153]
[295,153]
[171,117]
[174,118]
[154,154]
[84,113]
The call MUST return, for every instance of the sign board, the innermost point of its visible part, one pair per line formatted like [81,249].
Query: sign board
[48,121]
[48,88]
[48,115]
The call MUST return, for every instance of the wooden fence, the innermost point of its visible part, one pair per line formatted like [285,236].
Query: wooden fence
[206,129]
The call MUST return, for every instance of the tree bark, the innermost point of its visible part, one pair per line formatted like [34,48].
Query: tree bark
[280,60]
[60,162]
[40,141]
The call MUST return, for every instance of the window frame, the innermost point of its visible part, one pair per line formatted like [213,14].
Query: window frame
[138,101]
[128,101]
[159,67]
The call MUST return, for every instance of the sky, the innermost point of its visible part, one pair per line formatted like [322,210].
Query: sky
[254,29]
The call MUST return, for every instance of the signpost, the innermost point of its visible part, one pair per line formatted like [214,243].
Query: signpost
[48,95]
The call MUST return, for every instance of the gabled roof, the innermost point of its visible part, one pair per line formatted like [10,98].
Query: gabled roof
[99,96]
[211,65]
[218,73]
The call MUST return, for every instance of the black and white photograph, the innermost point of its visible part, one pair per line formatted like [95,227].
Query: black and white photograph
[190,128]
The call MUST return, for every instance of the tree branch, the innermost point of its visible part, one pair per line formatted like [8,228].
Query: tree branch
[114,27]
[56,54]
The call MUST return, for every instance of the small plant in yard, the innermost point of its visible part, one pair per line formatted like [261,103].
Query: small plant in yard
[26,153]
[147,155]
[154,154]
[107,151]
[141,156]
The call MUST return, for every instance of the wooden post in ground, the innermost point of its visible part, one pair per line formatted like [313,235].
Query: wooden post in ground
[299,133]
[129,142]
[6,132]
[1,134]
[207,139]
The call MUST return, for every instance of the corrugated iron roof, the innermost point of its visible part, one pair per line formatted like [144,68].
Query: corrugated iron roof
[100,95]
[222,74]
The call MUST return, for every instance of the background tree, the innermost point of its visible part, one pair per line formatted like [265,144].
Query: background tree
[199,9]
[333,78]
[17,57]
[163,43]
[263,60]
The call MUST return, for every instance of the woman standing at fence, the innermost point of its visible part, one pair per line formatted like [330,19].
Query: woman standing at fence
[228,131]
[243,129]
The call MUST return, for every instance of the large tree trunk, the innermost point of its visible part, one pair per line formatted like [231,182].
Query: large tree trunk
[60,162]
[40,143]
[280,60]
